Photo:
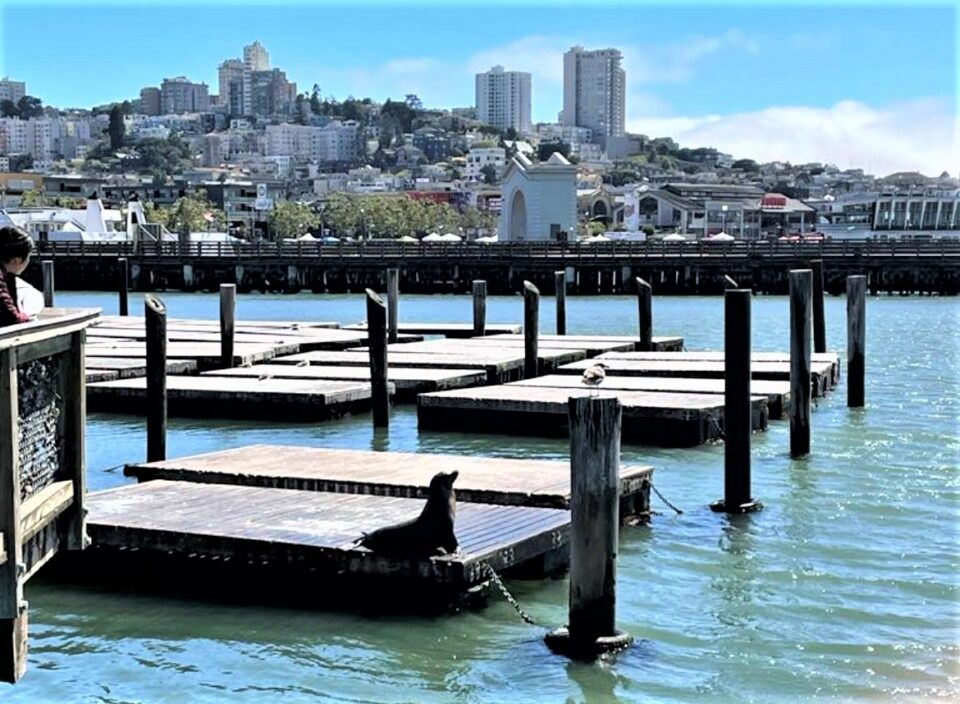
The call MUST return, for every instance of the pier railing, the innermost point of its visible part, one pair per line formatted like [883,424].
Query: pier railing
[558,253]
[42,484]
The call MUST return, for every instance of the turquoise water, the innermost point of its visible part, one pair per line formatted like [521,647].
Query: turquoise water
[844,589]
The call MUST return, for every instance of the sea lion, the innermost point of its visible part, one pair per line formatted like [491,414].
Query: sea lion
[430,533]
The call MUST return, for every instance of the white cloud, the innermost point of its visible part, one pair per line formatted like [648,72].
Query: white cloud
[919,135]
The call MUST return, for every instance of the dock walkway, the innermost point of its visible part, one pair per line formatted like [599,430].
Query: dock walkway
[451,330]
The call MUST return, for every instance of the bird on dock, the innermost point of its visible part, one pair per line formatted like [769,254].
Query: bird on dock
[594,375]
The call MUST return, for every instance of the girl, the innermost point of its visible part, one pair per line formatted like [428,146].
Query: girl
[16,246]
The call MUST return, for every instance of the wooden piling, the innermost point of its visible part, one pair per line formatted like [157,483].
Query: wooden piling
[801,285]
[377,345]
[228,315]
[645,317]
[155,313]
[595,424]
[48,283]
[123,285]
[819,322]
[560,284]
[531,329]
[856,341]
[13,645]
[393,296]
[737,497]
[479,307]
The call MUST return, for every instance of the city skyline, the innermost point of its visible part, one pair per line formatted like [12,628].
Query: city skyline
[867,86]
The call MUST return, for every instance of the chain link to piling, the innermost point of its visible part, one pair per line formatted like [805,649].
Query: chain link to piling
[495,578]
[664,499]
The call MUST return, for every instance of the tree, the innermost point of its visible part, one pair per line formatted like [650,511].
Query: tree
[301,110]
[489,174]
[289,219]
[746,165]
[28,107]
[511,134]
[315,106]
[192,213]
[163,157]
[116,129]
[8,108]
[32,198]
[413,102]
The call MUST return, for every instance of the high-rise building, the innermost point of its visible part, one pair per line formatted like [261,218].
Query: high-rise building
[271,93]
[234,92]
[150,100]
[179,95]
[594,91]
[12,90]
[256,58]
[503,99]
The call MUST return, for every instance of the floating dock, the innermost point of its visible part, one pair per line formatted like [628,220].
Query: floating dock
[831,358]
[408,381]
[490,480]
[237,397]
[665,343]
[110,368]
[453,330]
[777,393]
[313,532]
[651,418]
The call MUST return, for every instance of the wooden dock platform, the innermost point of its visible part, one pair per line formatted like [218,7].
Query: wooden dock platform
[236,397]
[489,480]
[831,358]
[549,358]
[409,381]
[663,343]
[314,531]
[651,418]
[205,354]
[821,373]
[777,393]
[110,368]
[451,330]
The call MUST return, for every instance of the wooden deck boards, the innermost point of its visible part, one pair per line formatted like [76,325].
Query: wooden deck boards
[499,367]
[777,393]
[831,358]
[408,381]
[821,372]
[315,530]
[662,344]
[548,358]
[206,354]
[234,397]
[658,418]
[452,330]
[591,347]
[492,480]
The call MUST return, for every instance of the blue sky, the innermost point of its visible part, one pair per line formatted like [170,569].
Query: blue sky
[693,71]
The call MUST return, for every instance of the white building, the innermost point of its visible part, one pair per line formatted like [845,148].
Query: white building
[594,91]
[255,57]
[336,141]
[179,95]
[480,157]
[571,134]
[539,201]
[12,90]
[503,99]
[38,137]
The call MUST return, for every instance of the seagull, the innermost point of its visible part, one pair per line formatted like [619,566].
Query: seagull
[594,375]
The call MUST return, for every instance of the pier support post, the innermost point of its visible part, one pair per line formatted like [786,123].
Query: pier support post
[645,309]
[856,341]
[13,609]
[48,283]
[377,344]
[801,285]
[560,284]
[595,424]
[479,308]
[737,411]
[155,319]
[531,329]
[393,296]
[228,314]
[819,322]
[123,286]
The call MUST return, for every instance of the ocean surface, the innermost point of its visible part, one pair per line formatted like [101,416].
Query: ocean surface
[844,589]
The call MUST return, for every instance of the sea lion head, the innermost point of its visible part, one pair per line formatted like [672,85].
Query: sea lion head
[443,481]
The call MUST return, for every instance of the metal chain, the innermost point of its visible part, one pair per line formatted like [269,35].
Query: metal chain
[664,499]
[495,578]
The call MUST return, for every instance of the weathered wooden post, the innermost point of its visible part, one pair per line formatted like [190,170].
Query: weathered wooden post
[560,284]
[377,344]
[228,314]
[819,322]
[393,296]
[645,309]
[48,283]
[594,528]
[737,496]
[801,285]
[155,314]
[123,285]
[479,308]
[856,341]
[531,329]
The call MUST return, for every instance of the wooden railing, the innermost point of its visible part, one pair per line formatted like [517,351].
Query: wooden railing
[42,483]
[507,251]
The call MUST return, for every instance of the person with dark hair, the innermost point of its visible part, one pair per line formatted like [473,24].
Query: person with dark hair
[16,246]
